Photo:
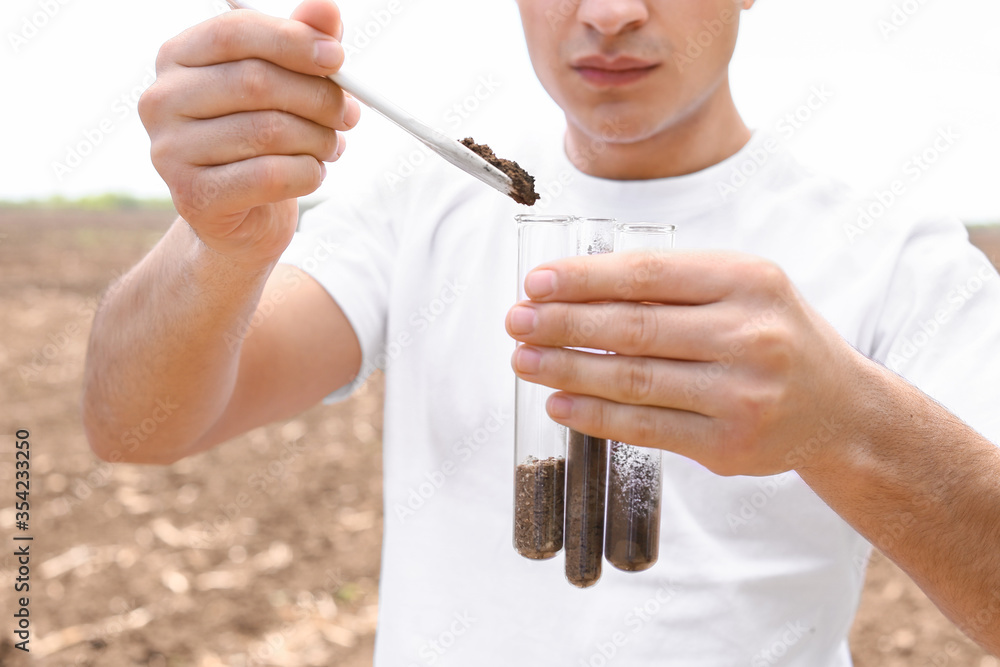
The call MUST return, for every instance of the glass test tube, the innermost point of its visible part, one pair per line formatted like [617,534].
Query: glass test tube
[632,541]
[587,457]
[539,442]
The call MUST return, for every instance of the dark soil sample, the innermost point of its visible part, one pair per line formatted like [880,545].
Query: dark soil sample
[523,188]
[632,541]
[540,485]
[586,483]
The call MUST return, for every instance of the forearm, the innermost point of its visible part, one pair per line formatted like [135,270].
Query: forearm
[164,350]
[923,488]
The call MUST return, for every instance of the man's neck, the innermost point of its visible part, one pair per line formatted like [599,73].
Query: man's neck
[708,135]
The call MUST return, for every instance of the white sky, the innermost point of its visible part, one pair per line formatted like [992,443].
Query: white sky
[891,94]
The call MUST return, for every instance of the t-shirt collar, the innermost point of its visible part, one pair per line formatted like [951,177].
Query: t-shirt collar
[705,189]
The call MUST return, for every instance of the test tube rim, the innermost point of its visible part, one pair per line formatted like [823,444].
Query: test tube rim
[531,218]
[645,227]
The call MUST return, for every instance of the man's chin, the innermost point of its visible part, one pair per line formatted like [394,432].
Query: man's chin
[614,126]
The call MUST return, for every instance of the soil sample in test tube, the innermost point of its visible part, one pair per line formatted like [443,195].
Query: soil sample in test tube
[539,442]
[586,486]
[632,540]
[586,456]
[632,537]
[538,507]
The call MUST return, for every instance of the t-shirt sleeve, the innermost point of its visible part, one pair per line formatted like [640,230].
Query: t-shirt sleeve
[940,326]
[348,247]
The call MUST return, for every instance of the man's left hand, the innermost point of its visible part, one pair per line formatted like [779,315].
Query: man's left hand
[716,357]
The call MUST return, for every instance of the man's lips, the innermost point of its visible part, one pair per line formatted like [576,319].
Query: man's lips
[619,71]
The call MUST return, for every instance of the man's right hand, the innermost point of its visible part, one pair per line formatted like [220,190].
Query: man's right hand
[241,119]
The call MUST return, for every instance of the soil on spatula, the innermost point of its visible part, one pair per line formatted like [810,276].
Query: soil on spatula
[523,188]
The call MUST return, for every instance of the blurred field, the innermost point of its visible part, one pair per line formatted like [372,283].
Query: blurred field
[262,552]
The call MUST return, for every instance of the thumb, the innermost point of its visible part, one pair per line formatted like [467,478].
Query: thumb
[322,15]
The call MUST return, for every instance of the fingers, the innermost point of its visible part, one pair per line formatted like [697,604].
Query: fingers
[209,193]
[243,34]
[685,433]
[255,85]
[322,15]
[698,333]
[672,277]
[617,378]
[251,134]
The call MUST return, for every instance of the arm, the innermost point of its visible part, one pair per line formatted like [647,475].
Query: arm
[189,350]
[240,126]
[924,488]
[733,369]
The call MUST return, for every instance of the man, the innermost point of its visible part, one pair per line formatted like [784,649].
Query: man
[790,445]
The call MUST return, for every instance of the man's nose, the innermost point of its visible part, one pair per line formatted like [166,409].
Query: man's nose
[612,17]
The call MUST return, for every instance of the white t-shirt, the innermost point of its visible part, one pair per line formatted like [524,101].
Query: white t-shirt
[752,571]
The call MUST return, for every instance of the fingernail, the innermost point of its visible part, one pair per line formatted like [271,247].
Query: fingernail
[341,144]
[560,407]
[322,171]
[522,320]
[352,112]
[528,359]
[540,283]
[328,53]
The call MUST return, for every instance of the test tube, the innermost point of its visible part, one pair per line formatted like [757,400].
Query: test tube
[632,541]
[586,456]
[539,442]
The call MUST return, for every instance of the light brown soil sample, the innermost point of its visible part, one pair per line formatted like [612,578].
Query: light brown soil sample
[540,485]
[523,191]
